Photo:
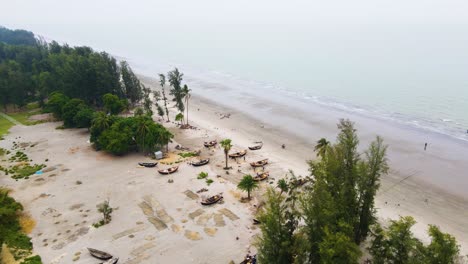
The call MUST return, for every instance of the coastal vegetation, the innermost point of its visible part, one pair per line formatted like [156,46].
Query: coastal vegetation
[11,233]
[337,213]
[226,144]
[247,184]
[106,210]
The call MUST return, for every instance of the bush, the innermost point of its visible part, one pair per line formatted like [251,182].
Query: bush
[209,181]
[32,260]
[202,175]
[70,110]
[113,105]
[55,104]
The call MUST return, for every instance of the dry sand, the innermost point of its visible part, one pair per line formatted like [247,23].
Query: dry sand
[153,220]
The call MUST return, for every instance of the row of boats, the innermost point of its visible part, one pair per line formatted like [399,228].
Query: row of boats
[213,143]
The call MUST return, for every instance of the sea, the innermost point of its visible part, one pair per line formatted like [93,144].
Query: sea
[416,76]
[402,61]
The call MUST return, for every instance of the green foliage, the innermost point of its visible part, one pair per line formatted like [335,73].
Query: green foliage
[113,104]
[99,124]
[122,135]
[83,117]
[139,111]
[338,248]
[279,243]
[32,260]
[321,147]
[443,247]
[397,244]
[56,103]
[31,72]
[106,210]
[188,154]
[226,144]
[131,85]
[175,80]
[17,37]
[25,170]
[162,82]
[247,184]
[70,110]
[209,181]
[179,117]
[202,175]
[10,229]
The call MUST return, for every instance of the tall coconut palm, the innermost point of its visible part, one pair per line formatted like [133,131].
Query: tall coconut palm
[282,185]
[162,82]
[247,184]
[321,147]
[175,79]
[227,145]
[186,93]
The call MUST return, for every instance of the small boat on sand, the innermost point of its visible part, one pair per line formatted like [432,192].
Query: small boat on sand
[200,162]
[148,164]
[212,199]
[99,254]
[257,147]
[238,154]
[210,143]
[259,163]
[111,261]
[261,176]
[169,171]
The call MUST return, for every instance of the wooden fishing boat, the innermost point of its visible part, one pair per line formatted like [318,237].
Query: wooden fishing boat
[210,143]
[250,259]
[212,199]
[200,162]
[112,261]
[259,163]
[99,254]
[148,164]
[257,147]
[238,154]
[261,176]
[169,170]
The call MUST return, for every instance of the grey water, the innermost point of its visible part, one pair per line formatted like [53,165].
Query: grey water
[395,60]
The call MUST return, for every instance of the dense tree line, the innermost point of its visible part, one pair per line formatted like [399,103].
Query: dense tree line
[110,132]
[327,221]
[17,37]
[32,71]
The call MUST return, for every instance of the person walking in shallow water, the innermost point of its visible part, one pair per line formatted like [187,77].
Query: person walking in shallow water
[425,146]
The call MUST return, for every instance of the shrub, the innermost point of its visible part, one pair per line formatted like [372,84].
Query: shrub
[202,175]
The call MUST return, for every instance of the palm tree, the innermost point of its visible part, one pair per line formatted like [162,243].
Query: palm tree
[175,79]
[247,184]
[226,144]
[282,185]
[186,93]
[179,117]
[162,82]
[321,147]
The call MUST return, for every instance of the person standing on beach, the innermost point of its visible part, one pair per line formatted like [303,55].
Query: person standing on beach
[425,146]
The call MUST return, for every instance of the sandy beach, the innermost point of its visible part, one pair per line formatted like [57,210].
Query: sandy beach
[157,221]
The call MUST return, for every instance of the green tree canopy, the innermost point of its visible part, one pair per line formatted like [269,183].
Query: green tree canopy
[247,184]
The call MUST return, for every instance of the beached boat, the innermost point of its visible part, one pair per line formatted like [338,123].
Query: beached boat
[261,176]
[256,147]
[148,164]
[169,170]
[238,154]
[210,144]
[200,162]
[250,259]
[112,261]
[256,221]
[259,163]
[212,199]
[99,254]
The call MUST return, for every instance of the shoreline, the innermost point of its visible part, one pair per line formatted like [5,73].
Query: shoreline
[404,191]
